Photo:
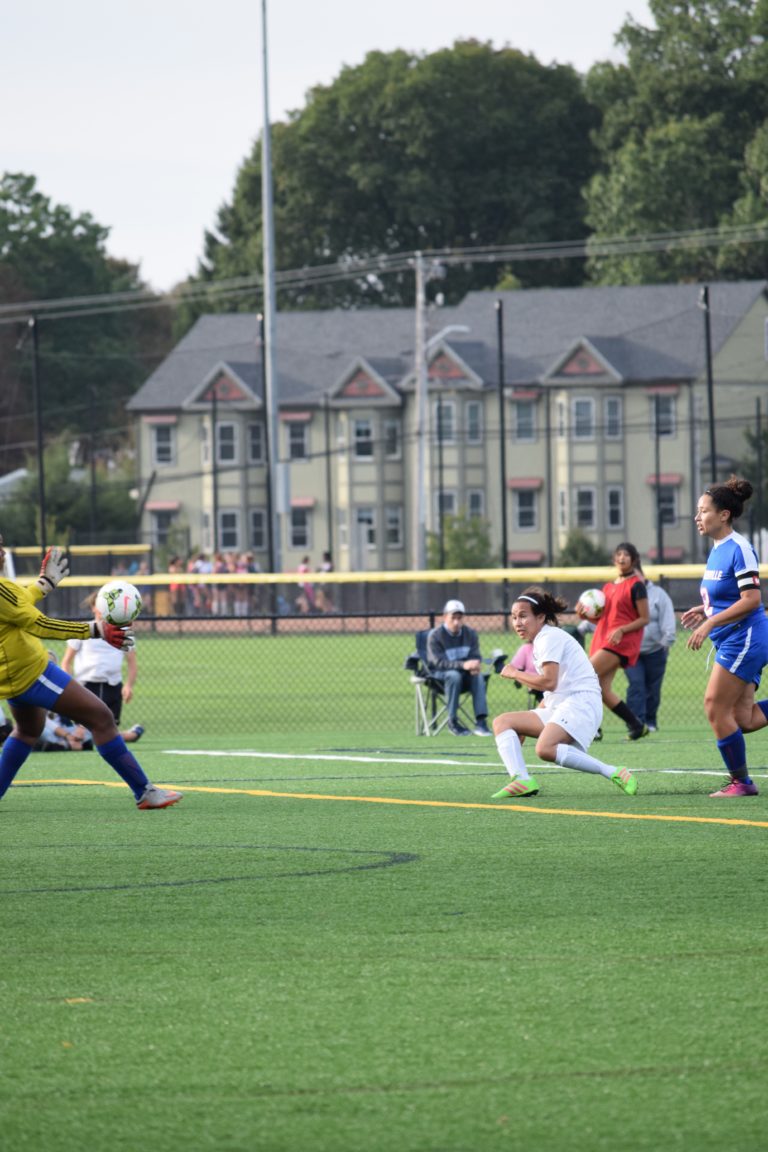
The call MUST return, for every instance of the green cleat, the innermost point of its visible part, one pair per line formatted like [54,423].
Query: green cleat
[517,787]
[624,779]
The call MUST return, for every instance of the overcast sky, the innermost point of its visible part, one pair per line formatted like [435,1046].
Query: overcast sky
[141,113]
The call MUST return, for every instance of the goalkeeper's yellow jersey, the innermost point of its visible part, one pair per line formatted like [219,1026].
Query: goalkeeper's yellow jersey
[23,656]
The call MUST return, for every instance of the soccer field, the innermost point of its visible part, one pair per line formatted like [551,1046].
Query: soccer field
[354,948]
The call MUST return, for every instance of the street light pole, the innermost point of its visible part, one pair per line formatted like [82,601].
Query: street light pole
[657,466]
[268,342]
[704,304]
[502,431]
[38,431]
[422,461]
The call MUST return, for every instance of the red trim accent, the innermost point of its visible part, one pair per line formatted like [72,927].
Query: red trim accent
[295,417]
[669,553]
[302,502]
[160,419]
[162,505]
[662,390]
[525,394]
[525,557]
[670,479]
[524,483]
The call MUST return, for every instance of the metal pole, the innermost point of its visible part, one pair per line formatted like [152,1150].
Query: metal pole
[328,478]
[502,432]
[657,466]
[759,485]
[422,463]
[704,303]
[440,478]
[214,469]
[550,493]
[92,445]
[267,454]
[270,373]
[38,431]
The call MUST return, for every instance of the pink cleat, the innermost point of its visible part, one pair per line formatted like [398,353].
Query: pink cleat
[735,788]
[154,797]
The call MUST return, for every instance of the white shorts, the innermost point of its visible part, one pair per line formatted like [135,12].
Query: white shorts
[580,715]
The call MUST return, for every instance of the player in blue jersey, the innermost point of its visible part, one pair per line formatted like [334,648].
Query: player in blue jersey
[733,617]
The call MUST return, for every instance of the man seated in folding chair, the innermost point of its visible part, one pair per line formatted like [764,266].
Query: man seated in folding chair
[453,654]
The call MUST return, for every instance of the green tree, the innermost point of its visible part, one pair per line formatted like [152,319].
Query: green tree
[87,365]
[466,146]
[580,552]
[680,121]
[466,543]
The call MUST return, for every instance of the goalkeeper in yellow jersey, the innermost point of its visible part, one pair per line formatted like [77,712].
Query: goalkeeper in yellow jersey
[32,684]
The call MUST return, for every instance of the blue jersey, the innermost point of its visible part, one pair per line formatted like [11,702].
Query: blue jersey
[732,567]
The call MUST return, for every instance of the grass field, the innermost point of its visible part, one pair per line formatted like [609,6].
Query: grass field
[338,942]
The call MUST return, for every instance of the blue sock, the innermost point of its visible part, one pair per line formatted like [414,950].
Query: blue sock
[14,754]
[763,706]
[734,753]
[124,763]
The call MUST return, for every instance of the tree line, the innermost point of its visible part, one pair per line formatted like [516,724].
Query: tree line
[466,147]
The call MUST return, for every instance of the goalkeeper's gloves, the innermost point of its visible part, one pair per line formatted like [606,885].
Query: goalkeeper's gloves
[121,638]
[54,568]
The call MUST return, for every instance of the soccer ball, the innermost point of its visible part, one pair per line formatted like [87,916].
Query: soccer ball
[119,602]
[592,603]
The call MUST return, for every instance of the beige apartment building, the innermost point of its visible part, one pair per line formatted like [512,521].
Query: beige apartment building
[604,397]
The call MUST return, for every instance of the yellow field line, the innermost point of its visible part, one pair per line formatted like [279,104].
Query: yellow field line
[432,803]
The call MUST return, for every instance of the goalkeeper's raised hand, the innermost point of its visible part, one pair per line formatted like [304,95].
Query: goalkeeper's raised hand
[121,638]
[54,568]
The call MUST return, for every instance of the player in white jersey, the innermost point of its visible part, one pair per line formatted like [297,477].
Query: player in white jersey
[732,616]
[567,720]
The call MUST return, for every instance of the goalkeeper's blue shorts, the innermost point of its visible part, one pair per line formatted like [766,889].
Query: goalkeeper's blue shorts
[45,691]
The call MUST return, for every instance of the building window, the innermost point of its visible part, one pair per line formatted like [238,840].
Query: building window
[342,532]
[392,445]
[393,514]
[163,444]
[445,502]
[162,523]
[475,503]
[585,508]
[614,507]
[445,421]
[366,527]
[562,509]
[206,535]
[363,432]
[667,504]
[258,539]
[474,416]
[612,417]
[525,421]
[226,444]
[663,415]
[298,442]
[229,530]
[562,423]
[299,528]
[256,444]
[583,418]
[526,510]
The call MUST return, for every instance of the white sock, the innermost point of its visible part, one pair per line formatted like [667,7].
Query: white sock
[511,752]
[569,757]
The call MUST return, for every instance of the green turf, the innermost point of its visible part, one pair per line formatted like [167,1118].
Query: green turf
[288,974]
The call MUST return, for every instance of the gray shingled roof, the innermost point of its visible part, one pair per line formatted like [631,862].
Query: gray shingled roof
[647,332]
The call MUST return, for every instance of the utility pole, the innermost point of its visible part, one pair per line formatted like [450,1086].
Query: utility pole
[268,345]
[657,466]
[704,305]
[421,520]
[502,431]
[32,327]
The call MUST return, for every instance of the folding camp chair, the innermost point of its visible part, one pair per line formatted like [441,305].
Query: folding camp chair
[429,690]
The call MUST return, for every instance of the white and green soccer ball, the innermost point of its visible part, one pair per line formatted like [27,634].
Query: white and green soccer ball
[119,602]
[592,603]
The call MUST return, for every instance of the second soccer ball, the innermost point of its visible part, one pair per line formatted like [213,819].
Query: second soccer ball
[592,603]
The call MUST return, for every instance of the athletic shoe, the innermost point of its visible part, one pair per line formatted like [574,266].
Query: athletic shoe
[652,728]
[638,733]
[138,729]
[625,780]
[457,729]
[517,787]
[154,797]
[735,788]
[482,729]
[599,734]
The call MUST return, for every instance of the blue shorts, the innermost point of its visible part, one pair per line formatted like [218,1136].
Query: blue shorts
[45,691]
[744,652]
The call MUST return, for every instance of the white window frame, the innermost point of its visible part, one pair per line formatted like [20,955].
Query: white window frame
[449,504]
[393,525]
[525,509]
[667,420]
[393,439]
[580,404]
[670,499]
[298,440]
[589,491]
[445,421]
[473,416]
[228,441]
[365,518]
[613,425]
[614,495]
[258,530]
[162,523]
[476,496]
[363,439]
[256,442]
[561,417]
[525,429]
[300,529]
[562,509]
[167,457]
[229,530]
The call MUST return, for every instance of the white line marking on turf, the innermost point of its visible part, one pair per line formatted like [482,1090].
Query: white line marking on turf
[326,756]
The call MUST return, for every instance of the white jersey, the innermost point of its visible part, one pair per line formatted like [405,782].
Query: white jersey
[97,662]
[575,674]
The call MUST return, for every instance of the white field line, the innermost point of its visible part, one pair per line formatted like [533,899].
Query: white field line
[427,763]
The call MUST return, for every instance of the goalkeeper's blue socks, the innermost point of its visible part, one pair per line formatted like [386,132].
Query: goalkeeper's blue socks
[14,754]
[116,754]
[734,753]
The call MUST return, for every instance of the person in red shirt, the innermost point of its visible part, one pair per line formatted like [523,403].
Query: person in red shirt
[616,642]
